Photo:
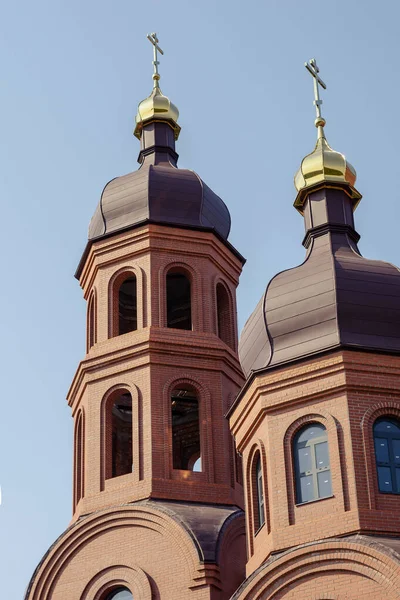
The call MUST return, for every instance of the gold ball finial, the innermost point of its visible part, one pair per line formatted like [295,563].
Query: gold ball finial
[319,122]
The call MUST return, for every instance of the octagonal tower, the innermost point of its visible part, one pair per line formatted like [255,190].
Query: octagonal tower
[318,419]
[157,501]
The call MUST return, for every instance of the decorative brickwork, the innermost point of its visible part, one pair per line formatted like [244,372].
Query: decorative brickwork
[338,569]
[152,549]
[156,548]
[345,391]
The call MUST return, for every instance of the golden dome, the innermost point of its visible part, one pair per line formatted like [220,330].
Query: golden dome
[158,107]
[324,166]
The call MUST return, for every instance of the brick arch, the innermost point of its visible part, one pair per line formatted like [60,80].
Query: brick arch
[336,456]
[79,535]
[195,291]
[136,419]
[205,412]
[282,574]
[115,281]
[134,578]
[257,448]
[380,409]
[218,280]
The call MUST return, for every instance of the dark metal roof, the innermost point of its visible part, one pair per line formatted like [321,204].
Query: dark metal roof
[334,298]
[159,192]
[205,522]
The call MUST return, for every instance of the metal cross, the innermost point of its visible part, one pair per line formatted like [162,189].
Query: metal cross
[152,37]
[314,70]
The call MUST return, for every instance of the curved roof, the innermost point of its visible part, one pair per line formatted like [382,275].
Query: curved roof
[335,298]
[159,193]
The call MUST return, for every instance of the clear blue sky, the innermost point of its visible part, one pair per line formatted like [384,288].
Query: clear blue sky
[72,73]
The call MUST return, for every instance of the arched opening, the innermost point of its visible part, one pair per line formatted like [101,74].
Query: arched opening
[238,467]
[121,593]
[387,454]
[179,309]
[224,315]
[186,453]
[91,322]
[258,493]
[127,306]
[311,462]
[119,435]
[79,474]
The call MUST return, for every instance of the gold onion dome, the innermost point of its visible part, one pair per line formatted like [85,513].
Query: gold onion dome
[156,107]
[324,167]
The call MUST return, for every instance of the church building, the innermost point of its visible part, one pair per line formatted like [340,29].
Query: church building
[205,469]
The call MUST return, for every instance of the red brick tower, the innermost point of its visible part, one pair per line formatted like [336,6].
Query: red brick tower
[157,493]
[318,420]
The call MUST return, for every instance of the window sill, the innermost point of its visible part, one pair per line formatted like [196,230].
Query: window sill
[185,475]
[259,529]
[316,500]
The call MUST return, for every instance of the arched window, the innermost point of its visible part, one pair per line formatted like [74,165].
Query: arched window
[185,430]
[127,306]
[387,454]
[311,460]
[224,315]
[258,495]
[120,593]
[91,322]
[79,474]
[119,435]
[238,465]
[179,310]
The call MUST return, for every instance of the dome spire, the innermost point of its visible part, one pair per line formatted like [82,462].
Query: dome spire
[156,107]
[153,39]
[312,68]
[324,166]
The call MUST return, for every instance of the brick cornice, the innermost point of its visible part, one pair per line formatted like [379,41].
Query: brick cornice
[137,242]
[289,383]
[154,346]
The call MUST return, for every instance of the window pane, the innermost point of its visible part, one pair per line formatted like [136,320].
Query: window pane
[324,484]
[397,480]
[387,426]
[381,450]
[396,451]
[304,458]
[385,479]
[321,455]
[311,432]
[120,594]
[306,489]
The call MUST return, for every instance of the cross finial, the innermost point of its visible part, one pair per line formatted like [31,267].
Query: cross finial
[312,67]
[152,37]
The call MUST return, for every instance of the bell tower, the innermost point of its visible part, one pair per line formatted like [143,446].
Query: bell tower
[157,482]
[318,419]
